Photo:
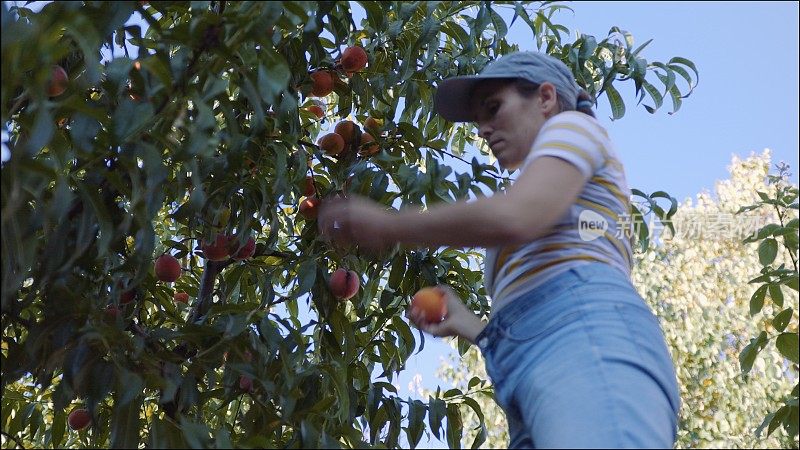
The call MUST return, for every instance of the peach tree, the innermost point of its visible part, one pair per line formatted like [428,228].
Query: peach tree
[162,271]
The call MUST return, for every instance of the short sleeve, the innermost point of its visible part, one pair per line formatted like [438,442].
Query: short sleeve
[575,139]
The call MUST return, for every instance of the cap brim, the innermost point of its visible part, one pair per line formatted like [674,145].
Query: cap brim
[453,99]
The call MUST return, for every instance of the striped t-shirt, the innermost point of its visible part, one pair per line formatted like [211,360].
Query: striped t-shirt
[587,232]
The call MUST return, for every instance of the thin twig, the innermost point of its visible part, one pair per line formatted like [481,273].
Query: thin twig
[13,438]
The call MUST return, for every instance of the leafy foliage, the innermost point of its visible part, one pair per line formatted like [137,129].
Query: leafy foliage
[204,131]
[782,197]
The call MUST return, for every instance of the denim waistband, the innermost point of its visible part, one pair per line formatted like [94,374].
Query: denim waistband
[553,289]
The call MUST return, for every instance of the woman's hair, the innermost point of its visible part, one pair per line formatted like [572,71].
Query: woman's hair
[528,89]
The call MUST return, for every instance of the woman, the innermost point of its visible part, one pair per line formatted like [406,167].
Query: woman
[576,357]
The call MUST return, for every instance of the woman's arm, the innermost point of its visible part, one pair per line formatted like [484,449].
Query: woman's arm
[528,209]
[541,195]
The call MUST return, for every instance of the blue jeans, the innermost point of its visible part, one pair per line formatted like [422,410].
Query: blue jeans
[581,362]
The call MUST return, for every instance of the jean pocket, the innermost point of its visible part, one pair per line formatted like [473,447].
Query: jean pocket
[533,324]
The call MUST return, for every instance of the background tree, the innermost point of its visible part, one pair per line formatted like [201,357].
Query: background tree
[163,282]
[698,284]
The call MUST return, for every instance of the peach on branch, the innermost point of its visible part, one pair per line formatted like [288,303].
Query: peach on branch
[181,297]
[309,189]
[323,83]
[247,250]
[368,145]
[218,250]
[347,130]
[58,81]
[317,110]
[372,124]
[344,283]
[354,59]
[245,383]
[167,268]
[79,419]
[331,143]
[309,208]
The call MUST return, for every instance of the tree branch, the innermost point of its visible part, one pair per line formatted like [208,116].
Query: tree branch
[13,438]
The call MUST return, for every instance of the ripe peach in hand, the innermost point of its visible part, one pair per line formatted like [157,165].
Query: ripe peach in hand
[167,268]
[431,302]
[344,284]
[79,419]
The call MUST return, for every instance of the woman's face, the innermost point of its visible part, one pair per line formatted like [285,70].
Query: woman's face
[508,121]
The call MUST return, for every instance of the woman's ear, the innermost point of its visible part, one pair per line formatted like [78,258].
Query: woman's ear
[548,98]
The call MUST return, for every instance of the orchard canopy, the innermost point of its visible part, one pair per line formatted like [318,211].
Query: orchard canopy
[163,280]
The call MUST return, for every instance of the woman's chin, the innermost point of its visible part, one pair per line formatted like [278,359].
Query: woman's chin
[509,165]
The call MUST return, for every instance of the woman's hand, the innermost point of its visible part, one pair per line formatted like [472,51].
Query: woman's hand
[459,321]
[356,220]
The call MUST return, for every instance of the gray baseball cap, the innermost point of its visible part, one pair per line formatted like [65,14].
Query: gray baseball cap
[453,95]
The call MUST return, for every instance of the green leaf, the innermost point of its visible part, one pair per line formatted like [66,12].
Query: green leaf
[787,344]
[125,423]
[615,101]
[58,427]
[782,319]
[767,251]
[757,300]
[437,409]
[454,426]
[475,407]
[416,415]
[780,414]
[747,357]
[480,438]
[776,294]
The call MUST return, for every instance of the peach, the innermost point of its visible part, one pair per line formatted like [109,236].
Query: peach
[127,297]
[368,145]
[79,419]
[317,110]
[354,59]
[58,81]
[323,83]
[347,130]
[167,268]
[309,208]
[111,313]
[309,190]
[218,250]
[181,297]
[245,383]
[432,303]
[247,250]
[344,284]
[331,143]
[372,124]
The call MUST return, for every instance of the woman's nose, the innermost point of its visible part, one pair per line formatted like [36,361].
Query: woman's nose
[485,131]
